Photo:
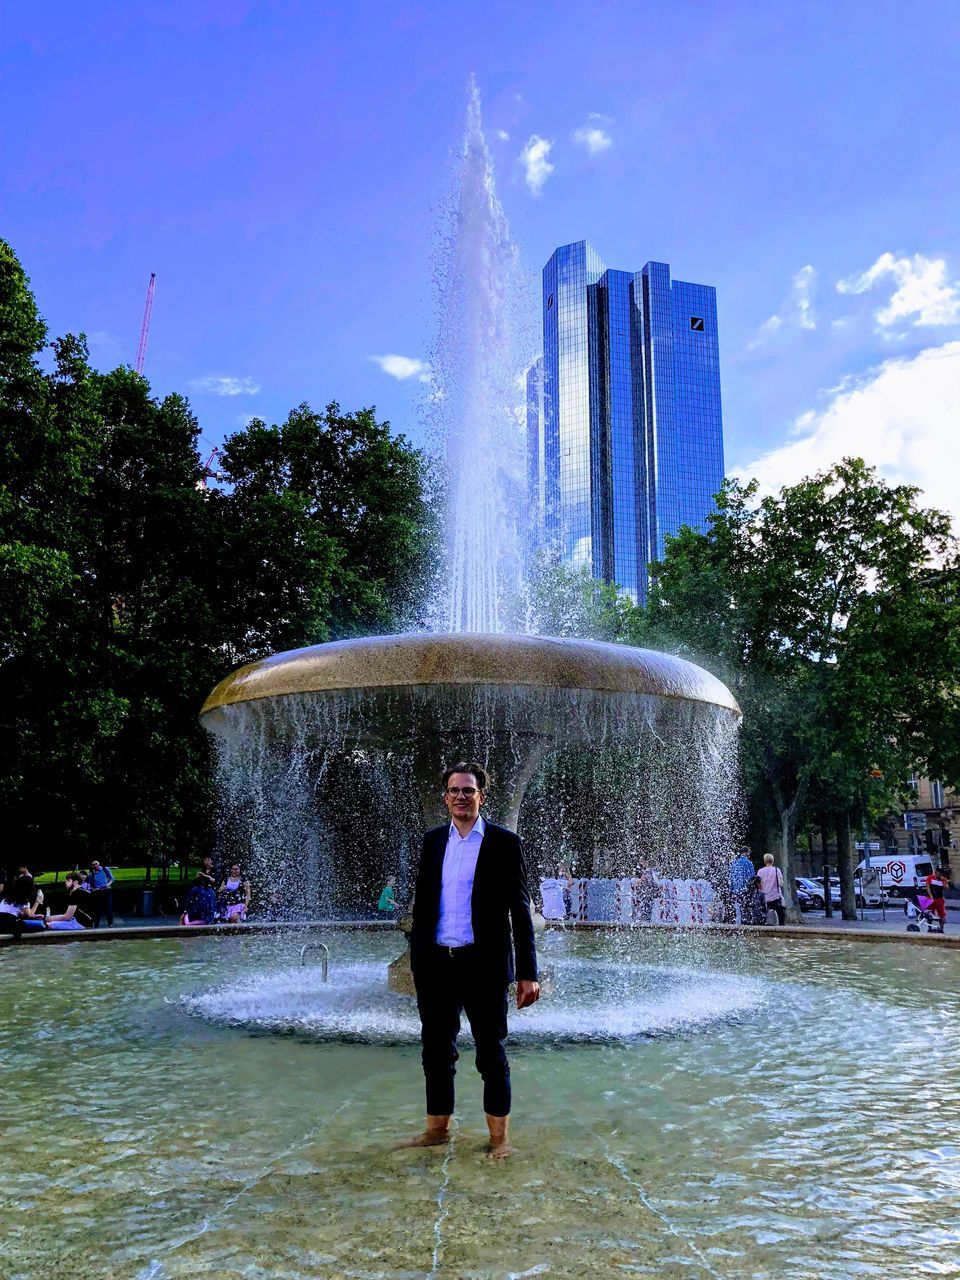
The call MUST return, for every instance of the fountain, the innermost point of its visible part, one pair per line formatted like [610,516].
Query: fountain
[311,743]
[410,704]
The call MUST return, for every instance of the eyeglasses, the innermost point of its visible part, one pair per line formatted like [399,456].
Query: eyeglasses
[466,792]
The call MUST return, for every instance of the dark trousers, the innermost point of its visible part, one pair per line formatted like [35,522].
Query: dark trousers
[101,904]
[448,985]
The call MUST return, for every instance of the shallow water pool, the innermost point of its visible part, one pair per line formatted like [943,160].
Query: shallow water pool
[684,1107]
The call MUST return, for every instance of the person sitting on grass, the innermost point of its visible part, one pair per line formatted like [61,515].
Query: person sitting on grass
[200,906]
[77,905]
[234,896]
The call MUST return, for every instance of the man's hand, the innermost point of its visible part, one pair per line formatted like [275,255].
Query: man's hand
[528,993]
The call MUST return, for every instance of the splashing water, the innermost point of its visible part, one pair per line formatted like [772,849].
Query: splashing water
[474,397]
[320,799]
[592,1001]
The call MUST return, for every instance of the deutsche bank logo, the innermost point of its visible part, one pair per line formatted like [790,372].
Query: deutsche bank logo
[696,322]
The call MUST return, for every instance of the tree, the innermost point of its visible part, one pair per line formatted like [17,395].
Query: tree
[328,527]
[38,464]
[831,612]
[127,589]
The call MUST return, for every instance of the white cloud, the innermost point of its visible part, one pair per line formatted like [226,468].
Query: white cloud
[804,284]
[216,385]
[403,367]
[923,294]
[592,136]
[797,309]
[502,135]
[537,168]
[901,417]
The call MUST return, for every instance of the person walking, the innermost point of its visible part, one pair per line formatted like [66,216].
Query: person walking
[471,889]
[937,885]
[100,884]
[771,880]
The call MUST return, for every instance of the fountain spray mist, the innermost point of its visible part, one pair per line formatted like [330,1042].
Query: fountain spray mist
[474,399]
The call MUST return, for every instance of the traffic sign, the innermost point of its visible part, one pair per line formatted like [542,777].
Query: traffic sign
[915,821]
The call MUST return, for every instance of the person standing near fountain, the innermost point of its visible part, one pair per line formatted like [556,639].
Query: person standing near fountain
[471,887]
[771,880]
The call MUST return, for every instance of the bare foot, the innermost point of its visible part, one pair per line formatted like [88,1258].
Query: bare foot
[500,1151]
[429,1138]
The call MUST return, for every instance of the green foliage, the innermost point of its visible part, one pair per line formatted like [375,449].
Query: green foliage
[127,589]
[832,612]
[343,500]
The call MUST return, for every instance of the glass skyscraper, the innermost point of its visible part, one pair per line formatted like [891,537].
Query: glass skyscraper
[624,431]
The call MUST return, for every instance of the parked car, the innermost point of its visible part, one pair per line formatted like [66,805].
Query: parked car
[813,889]
[874,896]
[805,899]
[834,888]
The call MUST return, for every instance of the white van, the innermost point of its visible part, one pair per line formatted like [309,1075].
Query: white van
[900,873]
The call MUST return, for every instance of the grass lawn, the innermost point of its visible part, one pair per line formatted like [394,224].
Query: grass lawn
[125,875]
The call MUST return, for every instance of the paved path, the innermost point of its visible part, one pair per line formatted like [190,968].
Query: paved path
[896,921]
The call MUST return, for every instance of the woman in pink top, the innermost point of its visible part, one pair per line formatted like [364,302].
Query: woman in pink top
[771,881]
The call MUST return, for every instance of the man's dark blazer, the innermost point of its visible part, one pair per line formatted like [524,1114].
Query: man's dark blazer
[499,897]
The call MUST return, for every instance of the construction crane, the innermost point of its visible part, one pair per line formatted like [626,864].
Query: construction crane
[207,472]
[145,327]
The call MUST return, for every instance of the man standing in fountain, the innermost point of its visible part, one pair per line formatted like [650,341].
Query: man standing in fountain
[471,888]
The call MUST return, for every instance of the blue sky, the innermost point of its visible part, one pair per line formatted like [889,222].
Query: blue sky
[280,165]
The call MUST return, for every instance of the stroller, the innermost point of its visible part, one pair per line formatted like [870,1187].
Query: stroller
[918,913]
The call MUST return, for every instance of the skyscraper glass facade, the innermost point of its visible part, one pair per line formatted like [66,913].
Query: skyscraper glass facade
[625,423]
[536,456]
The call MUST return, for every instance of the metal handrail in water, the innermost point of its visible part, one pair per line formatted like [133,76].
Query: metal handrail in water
[324,960]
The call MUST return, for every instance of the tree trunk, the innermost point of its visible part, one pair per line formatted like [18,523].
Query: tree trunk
[788,834]
[788,814]
[825,849]
[845,865]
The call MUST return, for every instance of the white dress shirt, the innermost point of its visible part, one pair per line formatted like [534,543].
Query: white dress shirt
[454,921]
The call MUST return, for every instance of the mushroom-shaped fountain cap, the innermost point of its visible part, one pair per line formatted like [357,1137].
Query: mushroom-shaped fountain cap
[544,662]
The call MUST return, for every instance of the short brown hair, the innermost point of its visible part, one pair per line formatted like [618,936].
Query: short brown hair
[467,766]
